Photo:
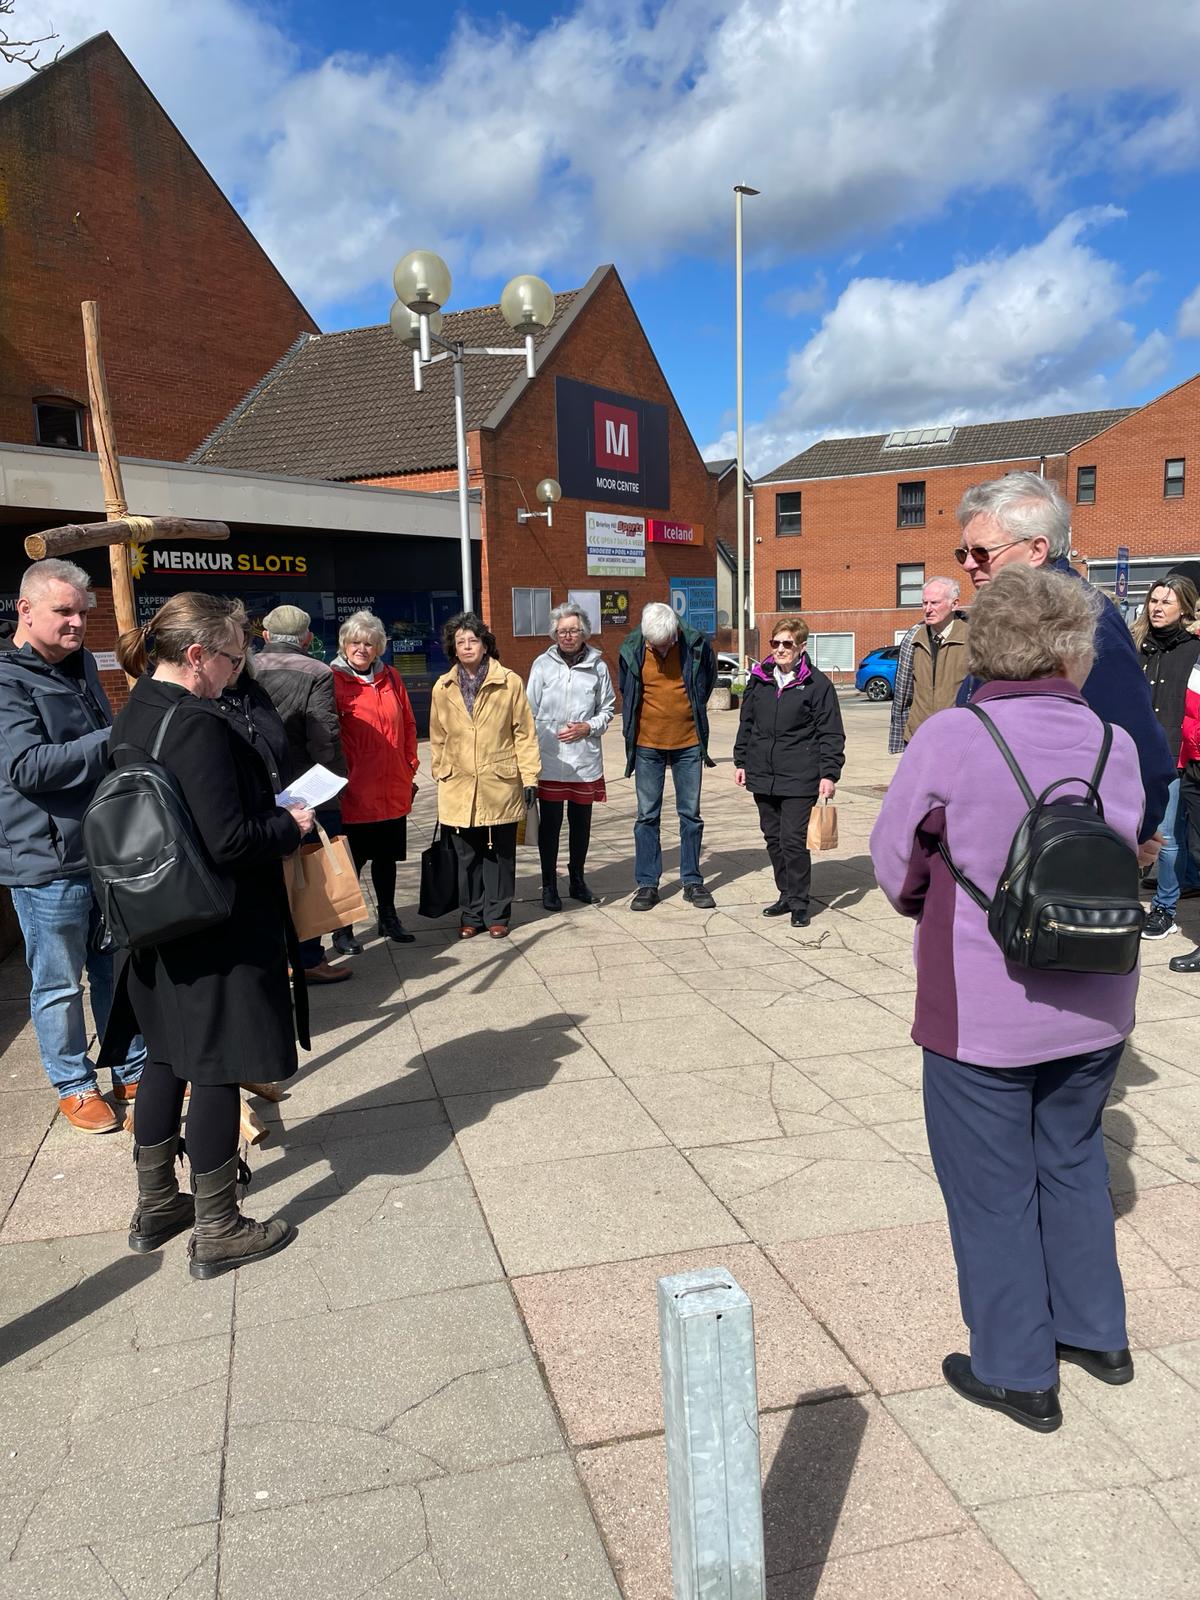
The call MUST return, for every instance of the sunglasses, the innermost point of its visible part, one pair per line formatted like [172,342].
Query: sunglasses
[784,644]
[981,555]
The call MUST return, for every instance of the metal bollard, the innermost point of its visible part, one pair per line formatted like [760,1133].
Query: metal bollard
[710,1403]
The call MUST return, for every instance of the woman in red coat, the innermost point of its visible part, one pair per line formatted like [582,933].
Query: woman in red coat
[379,738]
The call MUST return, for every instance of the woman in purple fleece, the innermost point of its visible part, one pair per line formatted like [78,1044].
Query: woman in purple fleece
[1018,1062]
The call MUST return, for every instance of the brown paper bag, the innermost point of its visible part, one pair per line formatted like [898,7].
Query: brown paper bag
[323,888]
[822,826]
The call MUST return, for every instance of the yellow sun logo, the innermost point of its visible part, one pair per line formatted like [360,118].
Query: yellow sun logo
[137,559]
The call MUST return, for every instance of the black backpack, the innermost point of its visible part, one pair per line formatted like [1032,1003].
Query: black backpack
[1067,900]
[151,875]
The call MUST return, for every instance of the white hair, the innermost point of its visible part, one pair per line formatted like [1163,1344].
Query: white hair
[950,585]
[1026,506]
[660,625]
[38,578]
[363,625]
[570,608]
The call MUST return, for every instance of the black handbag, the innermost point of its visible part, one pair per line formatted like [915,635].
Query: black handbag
[439,876]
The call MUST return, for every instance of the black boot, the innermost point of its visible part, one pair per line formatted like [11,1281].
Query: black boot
[577,889]
[551,899]
[162,1211]
[1110,1366]
[1032,1408]
[1188,963]
[224,1238]
[390,927]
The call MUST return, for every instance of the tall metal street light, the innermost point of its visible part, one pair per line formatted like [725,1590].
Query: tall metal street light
[422,284]
[740,189]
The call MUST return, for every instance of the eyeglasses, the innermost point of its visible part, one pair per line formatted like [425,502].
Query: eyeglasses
[783,644]
[981,555]
[568,633]
[234,661]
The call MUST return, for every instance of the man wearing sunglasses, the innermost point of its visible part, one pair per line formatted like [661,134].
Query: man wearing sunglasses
[1021,518]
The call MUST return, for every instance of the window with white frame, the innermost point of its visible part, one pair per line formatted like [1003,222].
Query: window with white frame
[787,589]
[832,652]
[910,581]
[531,613]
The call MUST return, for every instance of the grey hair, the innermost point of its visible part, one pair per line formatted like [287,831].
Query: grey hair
[362,625]
[570,608]
[660,625]
[37,579]
[1031,622]
[950,585]
[1026,506]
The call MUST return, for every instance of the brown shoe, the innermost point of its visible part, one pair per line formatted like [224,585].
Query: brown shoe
[468,930]
[265,1091]
[324,973]
[89,1112]
[124,1093]
[499,930]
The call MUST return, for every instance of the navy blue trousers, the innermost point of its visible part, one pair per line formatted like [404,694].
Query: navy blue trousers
[1020,1158]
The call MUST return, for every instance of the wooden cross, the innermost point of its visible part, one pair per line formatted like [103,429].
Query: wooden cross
[120,529]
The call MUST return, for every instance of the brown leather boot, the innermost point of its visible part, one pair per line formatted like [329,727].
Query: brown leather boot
[223,1237]
[162,1211]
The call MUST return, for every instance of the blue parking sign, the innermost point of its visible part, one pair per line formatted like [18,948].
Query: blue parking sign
[695,601]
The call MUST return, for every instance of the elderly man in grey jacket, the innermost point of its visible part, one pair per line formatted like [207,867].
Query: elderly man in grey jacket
[54,727]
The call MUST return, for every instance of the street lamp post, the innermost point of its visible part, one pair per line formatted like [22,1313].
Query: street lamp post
[422,283]
[740,189]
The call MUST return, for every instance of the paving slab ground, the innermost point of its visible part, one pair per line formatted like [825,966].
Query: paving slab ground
[448,1387]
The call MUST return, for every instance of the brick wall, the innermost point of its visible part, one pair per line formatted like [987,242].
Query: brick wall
[604,346]
[101,198]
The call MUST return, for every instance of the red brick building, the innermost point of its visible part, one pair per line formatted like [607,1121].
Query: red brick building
[101,198]
[342,406]
[852,529]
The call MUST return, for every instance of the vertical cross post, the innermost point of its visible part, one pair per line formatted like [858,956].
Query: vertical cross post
[115,504]
[710,1405]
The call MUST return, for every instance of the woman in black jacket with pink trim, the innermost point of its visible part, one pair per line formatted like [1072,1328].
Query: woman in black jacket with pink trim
[789,751]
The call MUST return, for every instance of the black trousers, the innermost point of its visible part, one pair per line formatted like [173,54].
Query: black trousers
[784,822]
[487,873]
[579,835]
[213,1116]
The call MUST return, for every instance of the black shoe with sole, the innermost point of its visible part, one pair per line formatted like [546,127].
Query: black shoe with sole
[800,919]
[697,895]
[645,899]
[345,943]
[390,927]
[1032,1408]
[779,909]
[578,890]
[551,899]
[1110,1366]
[1188,963]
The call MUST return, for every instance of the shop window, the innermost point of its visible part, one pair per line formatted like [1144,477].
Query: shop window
[58,424]
[1085,486]
[787,589]
[910,581]
[910,505]
[787,513]
[531,613]
[1173,479]
[832,652]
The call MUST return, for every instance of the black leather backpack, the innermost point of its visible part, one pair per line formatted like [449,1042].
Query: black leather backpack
[1067,900]
[151,875]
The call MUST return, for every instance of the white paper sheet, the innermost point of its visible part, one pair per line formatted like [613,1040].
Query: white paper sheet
[314,788]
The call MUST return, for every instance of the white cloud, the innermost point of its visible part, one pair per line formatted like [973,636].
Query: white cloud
[800,302]
[1147,363]
[617,130]
[1027,334]
[1189,316]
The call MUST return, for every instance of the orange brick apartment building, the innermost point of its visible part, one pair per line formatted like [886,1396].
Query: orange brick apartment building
[851,529]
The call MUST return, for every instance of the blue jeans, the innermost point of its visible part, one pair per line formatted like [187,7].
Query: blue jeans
[61,925]
[1176,870]
[649,779]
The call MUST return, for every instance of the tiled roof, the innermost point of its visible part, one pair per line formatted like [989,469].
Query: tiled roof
[342,405]
[1025,439]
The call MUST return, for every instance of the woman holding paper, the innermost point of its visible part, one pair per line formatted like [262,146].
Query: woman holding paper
[379,738]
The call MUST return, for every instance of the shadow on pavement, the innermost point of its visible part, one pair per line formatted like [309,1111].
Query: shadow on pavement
[805,1489]
[73,1305]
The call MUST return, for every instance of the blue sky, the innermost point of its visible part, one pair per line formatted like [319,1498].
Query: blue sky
[966,214]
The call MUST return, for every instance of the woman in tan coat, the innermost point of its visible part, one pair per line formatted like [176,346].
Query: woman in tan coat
[485,764]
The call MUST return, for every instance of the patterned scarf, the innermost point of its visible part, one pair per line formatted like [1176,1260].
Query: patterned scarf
[470,684]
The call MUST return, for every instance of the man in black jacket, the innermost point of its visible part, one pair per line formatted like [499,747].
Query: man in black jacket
[301,690]
[54,727]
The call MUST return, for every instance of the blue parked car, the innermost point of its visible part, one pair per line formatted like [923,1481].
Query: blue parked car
[876,675]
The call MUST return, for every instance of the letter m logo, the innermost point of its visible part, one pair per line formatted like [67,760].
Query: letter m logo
[616,435]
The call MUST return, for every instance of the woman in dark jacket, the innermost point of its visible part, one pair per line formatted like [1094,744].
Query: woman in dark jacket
[1167,650]
[790,750]
[215,1006]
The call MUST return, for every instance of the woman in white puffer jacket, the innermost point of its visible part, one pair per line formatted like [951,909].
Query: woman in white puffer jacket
[571,693]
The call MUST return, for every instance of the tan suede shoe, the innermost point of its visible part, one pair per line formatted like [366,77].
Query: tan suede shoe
[89,1112]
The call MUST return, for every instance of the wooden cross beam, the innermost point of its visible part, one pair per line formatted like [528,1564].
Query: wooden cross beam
[120,530]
